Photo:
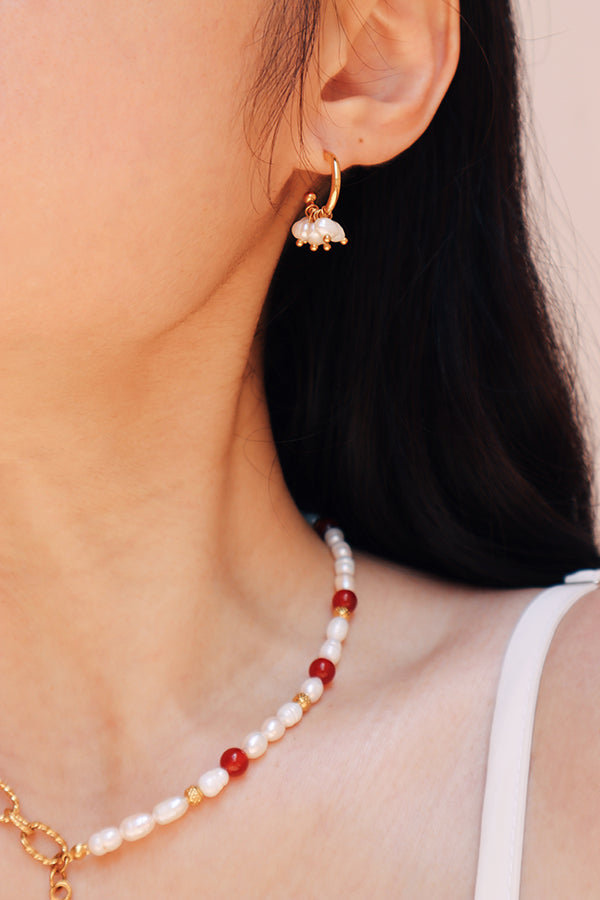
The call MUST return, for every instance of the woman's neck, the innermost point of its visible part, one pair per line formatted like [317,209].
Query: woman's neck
[144,520]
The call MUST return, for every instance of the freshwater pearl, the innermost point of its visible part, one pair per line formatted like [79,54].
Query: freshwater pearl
[333,536]
[345,565]
[335,231]
[169,810]
[273,728]
[95,845]
[313,688]
[344,582]
[341,549]
[337,630]
[105,841]
[255,744]
[301,228]
[290,713]
[137,826]
[332,650]
[213,781]
[315,238]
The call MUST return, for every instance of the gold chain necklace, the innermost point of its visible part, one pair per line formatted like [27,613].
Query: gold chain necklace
[233,762]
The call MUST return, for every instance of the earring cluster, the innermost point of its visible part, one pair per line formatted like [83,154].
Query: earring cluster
[317,228]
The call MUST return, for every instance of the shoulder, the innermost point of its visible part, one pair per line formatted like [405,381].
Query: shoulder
[424,658]
[562,833]
[433,618]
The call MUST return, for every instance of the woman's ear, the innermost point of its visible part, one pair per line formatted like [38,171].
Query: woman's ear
[380,72]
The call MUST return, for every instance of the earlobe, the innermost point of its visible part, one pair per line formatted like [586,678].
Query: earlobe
[384,67]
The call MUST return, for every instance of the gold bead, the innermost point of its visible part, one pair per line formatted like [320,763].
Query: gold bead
[194,795]
[344,241]
[342,611]
[310,198]
[79,851]
[304,701]
[314,246]
[300,243]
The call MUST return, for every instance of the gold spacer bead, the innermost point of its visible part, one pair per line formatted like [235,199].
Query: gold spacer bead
[79,851]
[304,701]
[344,241]
[314,247]
[194,795]
[342,611]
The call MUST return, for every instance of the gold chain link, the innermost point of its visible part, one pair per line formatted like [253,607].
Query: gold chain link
[60,889]
[5,818]
[35,854]
[15,818]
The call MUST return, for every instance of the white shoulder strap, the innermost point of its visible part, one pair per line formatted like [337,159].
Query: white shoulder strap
[503,818]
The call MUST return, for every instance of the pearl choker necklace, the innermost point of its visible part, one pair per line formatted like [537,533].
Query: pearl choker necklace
[233,762]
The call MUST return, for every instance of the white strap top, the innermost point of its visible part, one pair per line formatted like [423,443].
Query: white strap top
[503,818]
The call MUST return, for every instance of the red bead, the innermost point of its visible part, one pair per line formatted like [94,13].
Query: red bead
[345,598]
[323,669]
[321,526]
[234,761]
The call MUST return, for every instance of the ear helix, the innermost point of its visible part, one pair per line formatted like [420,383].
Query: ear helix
[317,228]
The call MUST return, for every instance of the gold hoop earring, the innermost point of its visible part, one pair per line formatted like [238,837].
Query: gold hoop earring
[317,228]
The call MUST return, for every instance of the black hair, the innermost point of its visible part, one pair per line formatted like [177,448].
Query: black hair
[417,389]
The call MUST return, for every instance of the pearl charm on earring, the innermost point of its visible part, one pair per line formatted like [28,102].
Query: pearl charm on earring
[317,228]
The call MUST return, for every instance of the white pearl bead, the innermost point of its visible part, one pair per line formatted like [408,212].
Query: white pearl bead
[111,838]
[301,228]
[213,781]
[96,845]
[345,565]
[341,549]
[273,729]
[290,713]
[333,536]
[323,225]
[169,810]
[344,582]
[332,650]
[313,688]
[314,236]
[333,229]
[105,841]
[255,744]
[337,630]
[137,826]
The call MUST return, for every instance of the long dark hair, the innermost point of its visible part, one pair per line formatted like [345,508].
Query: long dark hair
[417,389]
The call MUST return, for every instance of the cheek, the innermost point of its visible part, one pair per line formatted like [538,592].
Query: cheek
[121,147]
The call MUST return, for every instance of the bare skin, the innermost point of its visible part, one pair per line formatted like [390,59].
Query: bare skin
[160,593]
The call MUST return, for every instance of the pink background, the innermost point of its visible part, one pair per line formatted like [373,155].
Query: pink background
[560,50]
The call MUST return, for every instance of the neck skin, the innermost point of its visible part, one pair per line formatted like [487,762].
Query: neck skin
[149,549]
